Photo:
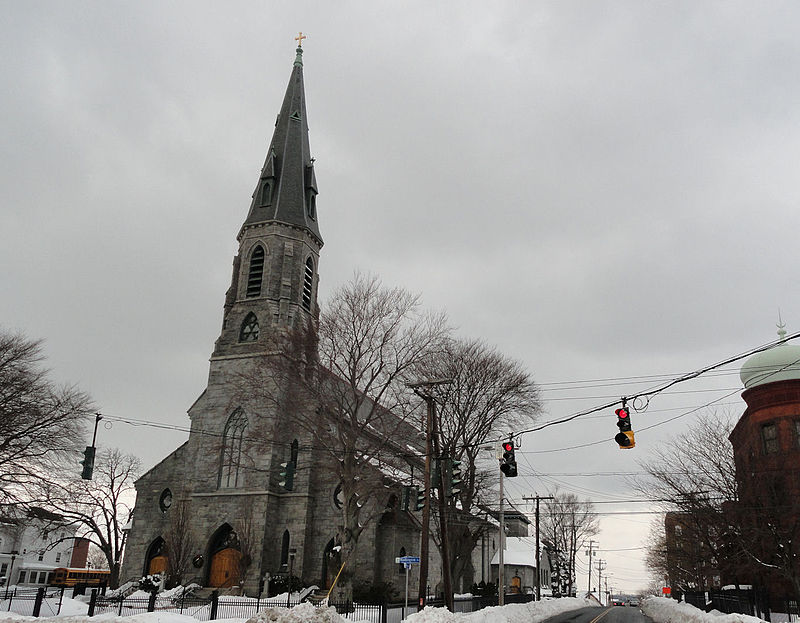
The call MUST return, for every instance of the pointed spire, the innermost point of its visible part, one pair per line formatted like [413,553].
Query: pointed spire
[287,188]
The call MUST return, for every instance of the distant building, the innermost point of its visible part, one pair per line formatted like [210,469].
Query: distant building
[519,566]
[690,563]
[33,545]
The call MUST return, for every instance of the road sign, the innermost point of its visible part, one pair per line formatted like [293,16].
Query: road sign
[666,590]
[407,565]
[407,559]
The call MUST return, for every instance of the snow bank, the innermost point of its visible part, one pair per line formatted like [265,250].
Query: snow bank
[513,613]
[666,610]
[302,613]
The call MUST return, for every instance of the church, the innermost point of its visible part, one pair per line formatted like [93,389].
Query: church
[224,483]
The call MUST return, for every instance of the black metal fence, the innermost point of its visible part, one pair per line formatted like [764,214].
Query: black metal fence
[47,602]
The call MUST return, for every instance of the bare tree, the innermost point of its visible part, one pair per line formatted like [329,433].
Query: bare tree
[245,532]
[694,477]
[568,522]
[345,383]
[101,507]
[489,394]
[39,419]
[181,544]
[96,558]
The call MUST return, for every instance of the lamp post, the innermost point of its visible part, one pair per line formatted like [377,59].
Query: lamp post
[10,571]
[292,553]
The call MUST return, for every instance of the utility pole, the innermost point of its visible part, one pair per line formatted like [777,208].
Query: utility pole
[501,580]
[426,510]
[601,564]
[538,557]
[589,554]
[447,578]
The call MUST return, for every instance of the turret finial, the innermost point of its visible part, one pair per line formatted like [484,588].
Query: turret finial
[781,327]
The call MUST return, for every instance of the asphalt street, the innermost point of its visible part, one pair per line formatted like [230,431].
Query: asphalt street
[613,614]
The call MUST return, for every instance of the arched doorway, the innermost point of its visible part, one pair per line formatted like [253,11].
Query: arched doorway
[224,553]
[156,558]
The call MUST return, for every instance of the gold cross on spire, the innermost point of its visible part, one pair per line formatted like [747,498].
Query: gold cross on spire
[299,38]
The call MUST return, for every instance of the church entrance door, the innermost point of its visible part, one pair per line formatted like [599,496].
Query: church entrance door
[224,568]
[157,564]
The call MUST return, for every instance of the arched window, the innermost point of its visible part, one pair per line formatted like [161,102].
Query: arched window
[401,567]
[266,193]
[249,330]
[285,549]
[256,273]
[308,284]
[232,440]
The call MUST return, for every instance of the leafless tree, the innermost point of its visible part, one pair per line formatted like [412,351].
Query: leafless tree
[490,394]
[40,420]
[344,380]
[568,522]
[97,558]
[98,508]
[181,543]
[694,477]
[245,532]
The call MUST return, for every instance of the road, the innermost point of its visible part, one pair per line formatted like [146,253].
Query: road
[614,614]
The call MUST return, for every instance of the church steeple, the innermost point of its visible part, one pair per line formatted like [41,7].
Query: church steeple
[275,273]
[287,188]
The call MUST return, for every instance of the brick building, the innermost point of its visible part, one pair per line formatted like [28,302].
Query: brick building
[766,446]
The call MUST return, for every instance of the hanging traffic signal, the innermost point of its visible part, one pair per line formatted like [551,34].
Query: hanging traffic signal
[625,435]
[508,464]
[418,497]
[88,463]
[287,475]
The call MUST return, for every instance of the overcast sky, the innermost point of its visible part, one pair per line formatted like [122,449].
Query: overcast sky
[603,190]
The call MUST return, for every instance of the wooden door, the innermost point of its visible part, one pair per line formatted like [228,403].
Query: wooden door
[224,568]
[158,564]
[516,584]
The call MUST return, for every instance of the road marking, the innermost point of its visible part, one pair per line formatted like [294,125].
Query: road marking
[600,616]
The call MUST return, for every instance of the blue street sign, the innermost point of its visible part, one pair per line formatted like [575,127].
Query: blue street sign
[407,565]
[408,559]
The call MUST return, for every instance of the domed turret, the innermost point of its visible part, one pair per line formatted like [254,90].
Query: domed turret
[780,363]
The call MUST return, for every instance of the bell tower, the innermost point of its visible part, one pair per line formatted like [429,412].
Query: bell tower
[275,272]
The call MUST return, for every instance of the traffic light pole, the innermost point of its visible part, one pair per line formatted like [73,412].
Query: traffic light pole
[426,510]
[501,580]
[447,579]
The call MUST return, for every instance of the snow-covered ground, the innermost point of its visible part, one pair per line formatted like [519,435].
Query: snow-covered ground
[666,610]
[74,611]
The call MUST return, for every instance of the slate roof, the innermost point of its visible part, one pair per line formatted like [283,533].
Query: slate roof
[288,165]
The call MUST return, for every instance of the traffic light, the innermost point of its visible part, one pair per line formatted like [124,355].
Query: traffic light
[508,464]
[419,497]
[454,480]
[88,463]
[405,498]
[287,475]
[625,435]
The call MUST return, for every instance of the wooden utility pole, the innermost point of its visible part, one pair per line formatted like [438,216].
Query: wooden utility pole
[447,579]
[589,553]
[601,564]
[426,510]
[538,557]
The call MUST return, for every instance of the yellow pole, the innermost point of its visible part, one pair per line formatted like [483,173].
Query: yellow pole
[334,580]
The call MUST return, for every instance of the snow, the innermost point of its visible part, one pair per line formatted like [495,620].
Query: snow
[666,610]
[513,613]
[74,611]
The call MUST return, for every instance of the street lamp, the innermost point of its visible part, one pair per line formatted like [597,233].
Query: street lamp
[292,553]
[11,570]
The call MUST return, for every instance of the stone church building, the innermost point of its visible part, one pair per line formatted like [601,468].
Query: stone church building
[226,476]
